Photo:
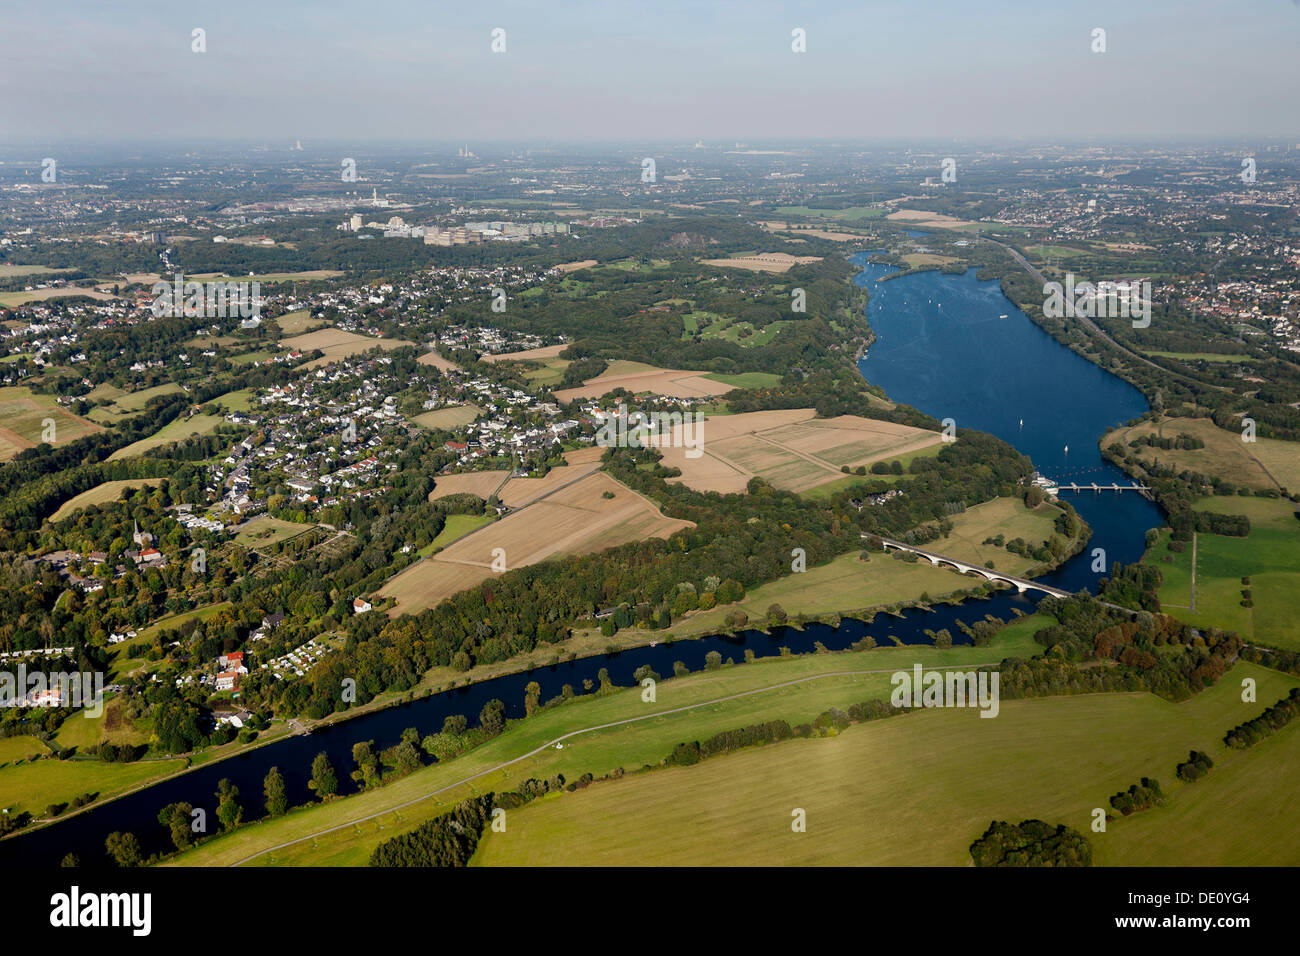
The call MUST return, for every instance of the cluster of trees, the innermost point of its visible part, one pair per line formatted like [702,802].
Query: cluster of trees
[1031,843]
[685,754]
[1089,630]
[1140,796]
[1266,724]
[449,840]
[1196,766]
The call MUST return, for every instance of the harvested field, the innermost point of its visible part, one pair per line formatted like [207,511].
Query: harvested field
[522,491]
[575,266]
[788,448]
[451,417]
[1264,464]
[481,483]
[920,217]
[338,344]
[437,361]
[638,377]
[545,352]
[577,519]
[764,262]
[24,413]
[816,233]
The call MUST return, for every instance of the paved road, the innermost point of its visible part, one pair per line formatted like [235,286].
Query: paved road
[576,733]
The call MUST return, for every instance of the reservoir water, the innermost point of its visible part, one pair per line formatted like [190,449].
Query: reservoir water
[943,348]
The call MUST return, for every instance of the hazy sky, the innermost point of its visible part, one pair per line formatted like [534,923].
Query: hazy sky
[422,70]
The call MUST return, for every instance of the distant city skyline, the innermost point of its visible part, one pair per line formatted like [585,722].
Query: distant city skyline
[409,71]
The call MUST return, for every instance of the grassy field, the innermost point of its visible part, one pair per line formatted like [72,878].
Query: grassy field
[1269,556]
[34,786]
[746,379]
[126,659]
[101,494]
[20,748]
[918,789]
[8,269]
[237,401]
[296,323]
[844,584]
[457,526]
[174,431]
[1256,465]
[126,404]
[264,531]
[599,752]
[1005,516]
[1200,356]
[23,414]
[448,418]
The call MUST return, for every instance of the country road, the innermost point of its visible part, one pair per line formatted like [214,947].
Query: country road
[577,733]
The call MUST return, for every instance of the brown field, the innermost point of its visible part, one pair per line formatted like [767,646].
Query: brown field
[764,262]
[517,492]
[916,259]
[481,483]
[576,266]
[24,412]
[638,377]
[922,218]
[788,448]
[337,344]
[573,520]
[451,417]
[816,233]
[437,361]
[545,352]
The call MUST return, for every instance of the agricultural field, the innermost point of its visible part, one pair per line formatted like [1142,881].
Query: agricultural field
[444,419]
[306,276]
[437,361]
[915,790]
[852,212]
[572,520]
[481,483]
[1269,557]
[637,377]
[101,494]
[528,355]
[8,269]
[919,217]
[337,344]
[24,412]
[788,448]
[174,431]
[10,300]
[763,262]
[1263,464]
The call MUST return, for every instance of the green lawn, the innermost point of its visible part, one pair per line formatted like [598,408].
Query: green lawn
[918,789]
[34,786]
[1269,556]
[746,379]
[457,526]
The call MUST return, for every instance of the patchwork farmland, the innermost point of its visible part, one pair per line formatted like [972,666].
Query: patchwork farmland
[788,448]
[575,519]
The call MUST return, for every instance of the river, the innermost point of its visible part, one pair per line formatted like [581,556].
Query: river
[942,347]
